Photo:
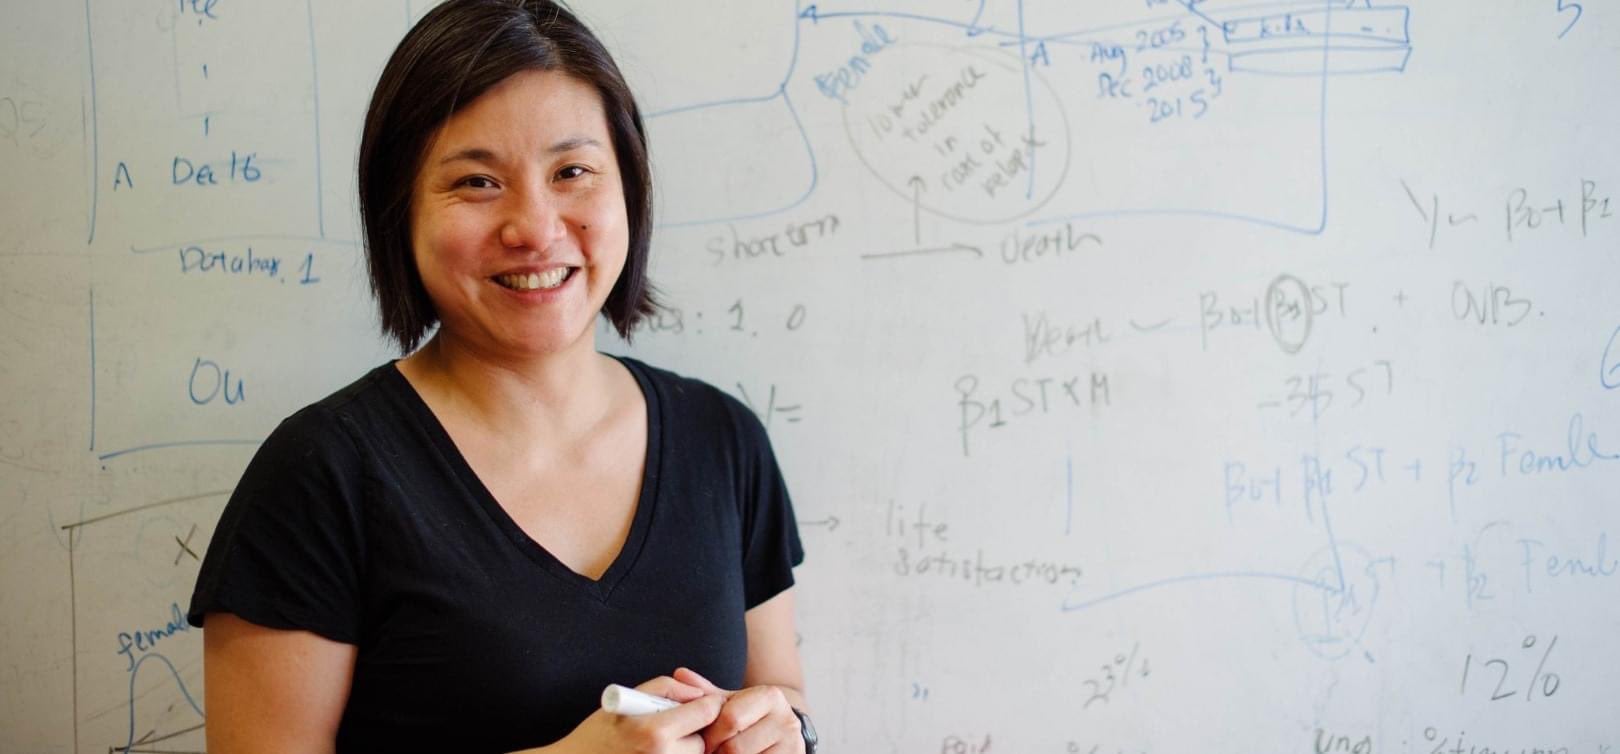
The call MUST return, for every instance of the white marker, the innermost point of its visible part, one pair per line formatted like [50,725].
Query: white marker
[622,700]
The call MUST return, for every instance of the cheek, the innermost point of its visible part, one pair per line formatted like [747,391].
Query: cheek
[442,242]
[608,253]
[607,232]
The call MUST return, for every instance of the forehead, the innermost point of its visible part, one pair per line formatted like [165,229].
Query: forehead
[529,110]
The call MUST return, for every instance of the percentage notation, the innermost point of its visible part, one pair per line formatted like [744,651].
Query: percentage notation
[1116,675]
[1542,682]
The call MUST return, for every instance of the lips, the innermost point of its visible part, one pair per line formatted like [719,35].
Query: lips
[536,281]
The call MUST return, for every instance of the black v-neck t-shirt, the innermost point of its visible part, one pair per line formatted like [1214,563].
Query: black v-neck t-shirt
[360,521]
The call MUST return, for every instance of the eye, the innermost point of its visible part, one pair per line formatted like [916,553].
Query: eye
[572,171]
[476,182]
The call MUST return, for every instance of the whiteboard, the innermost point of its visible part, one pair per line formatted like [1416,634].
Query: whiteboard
[1150,376]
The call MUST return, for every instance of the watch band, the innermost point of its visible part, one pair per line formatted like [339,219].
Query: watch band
[808,731]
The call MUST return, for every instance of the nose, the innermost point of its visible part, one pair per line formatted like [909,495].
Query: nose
[531,221]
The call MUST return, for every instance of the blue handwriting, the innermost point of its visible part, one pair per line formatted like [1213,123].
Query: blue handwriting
[141,642]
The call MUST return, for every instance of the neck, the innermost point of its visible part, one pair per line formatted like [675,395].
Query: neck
[524,398]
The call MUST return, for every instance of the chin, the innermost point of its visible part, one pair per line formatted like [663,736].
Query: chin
[552,342]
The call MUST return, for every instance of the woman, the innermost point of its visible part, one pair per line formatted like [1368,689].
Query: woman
[460,550]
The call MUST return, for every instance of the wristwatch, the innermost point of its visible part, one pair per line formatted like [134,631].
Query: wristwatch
[809,732]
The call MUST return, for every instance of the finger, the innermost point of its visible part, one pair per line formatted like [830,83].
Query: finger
[742,712]
[792,746]
[688,744]
[689,718]
[691,677]
[692,744]
[777,733]
[670,688]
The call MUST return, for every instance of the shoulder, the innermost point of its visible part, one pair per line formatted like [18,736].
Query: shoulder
[691,400]
[328,430]
[376,393]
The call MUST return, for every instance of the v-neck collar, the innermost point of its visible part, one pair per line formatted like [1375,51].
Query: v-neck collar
[646,501]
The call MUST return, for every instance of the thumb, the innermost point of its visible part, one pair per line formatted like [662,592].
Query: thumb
[691,677]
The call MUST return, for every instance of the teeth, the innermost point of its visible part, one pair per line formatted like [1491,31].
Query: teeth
[535,281]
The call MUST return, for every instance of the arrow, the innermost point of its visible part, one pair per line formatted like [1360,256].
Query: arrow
[953,248]
[831,522]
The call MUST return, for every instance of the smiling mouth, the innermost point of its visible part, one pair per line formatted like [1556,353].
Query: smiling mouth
[536,281]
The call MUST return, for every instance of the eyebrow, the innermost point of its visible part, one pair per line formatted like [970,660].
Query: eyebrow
[480,154]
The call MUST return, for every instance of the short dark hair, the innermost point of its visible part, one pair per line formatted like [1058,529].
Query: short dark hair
[458,51]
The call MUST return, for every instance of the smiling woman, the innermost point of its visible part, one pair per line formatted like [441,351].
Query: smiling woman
[451,58]
[461,549]
[518,220]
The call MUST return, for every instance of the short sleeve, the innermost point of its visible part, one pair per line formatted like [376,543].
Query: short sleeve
[771,546]
[288,549]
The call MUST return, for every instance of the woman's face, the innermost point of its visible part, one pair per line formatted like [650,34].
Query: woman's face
[518,222]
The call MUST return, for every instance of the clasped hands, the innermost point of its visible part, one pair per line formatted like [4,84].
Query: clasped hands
[710,720]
